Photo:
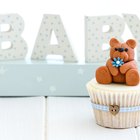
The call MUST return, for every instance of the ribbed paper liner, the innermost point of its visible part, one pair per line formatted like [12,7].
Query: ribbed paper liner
[122,99]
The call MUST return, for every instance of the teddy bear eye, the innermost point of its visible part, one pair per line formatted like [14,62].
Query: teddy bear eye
[116,49]
[126,49]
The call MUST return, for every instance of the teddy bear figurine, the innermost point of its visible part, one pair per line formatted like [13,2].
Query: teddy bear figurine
[121,67]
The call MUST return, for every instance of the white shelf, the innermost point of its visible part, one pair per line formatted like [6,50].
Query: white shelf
[22,118]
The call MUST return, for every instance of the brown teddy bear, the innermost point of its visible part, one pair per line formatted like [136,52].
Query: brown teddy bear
[121,67]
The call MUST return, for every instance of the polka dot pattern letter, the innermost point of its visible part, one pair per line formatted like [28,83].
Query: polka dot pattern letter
[95,37]
[18,47]
[133,23]
[43,47]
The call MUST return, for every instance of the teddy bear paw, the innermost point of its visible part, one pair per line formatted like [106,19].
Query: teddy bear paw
[103,75]
[132,77]
[123,70]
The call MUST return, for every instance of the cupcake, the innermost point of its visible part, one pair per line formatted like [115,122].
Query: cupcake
[115,92]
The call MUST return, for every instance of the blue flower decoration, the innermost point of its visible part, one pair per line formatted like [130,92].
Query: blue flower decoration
[117,62]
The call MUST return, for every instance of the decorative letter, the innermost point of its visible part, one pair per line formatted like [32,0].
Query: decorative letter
[96,37]
[43,47]
[133,23]
[12,45]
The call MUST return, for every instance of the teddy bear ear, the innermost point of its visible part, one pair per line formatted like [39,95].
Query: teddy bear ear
[131,43]
[114,42]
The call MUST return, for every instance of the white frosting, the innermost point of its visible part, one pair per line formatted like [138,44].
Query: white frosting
[109,94]
[114,87]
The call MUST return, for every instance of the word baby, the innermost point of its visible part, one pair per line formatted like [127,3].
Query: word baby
[95,37]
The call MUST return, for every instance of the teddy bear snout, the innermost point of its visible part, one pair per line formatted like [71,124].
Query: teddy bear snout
[120,49]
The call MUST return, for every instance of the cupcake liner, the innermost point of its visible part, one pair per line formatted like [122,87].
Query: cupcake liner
[125,98]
